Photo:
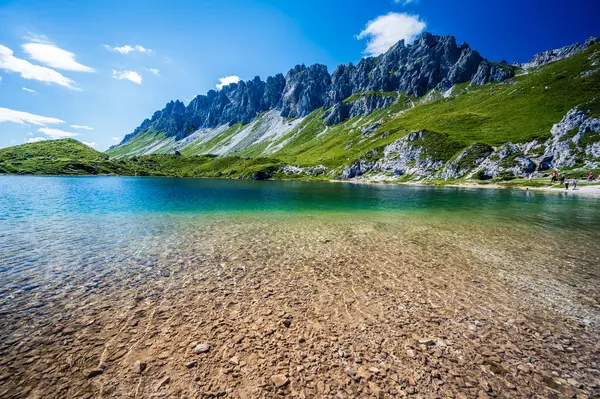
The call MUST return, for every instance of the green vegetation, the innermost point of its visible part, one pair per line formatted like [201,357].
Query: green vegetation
[70,157]
[519,110]
[66,156]
[142,143]
[475,152]
[358,96]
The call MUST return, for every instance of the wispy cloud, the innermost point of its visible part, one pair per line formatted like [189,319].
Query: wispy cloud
[128,75]
[35,38]
[89,143]
[56,133]
[227,80]
[126,49]
[82,127]
[55,57]
[405,2]
[154,71]
[29,90]
[35,139]
[386,30]
[27,70]
[116,139]
[20,117]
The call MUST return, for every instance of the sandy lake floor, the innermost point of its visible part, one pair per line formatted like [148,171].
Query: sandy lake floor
[312,307]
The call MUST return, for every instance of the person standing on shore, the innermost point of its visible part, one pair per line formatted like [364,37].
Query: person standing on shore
[554,177]
[562,179]
[567,183]
[574,184]
[590,176]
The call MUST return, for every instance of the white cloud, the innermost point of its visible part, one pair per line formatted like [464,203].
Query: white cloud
[82,127]
[89,143]
[35,139]
[386,30]
[9,62]
[56,133]
[0,78]
[32,37]
[29,90]
[154,71]
[9,115]
[128,49]
[54,57]
[405,2]
[227,80]
[128,75]
[116,139]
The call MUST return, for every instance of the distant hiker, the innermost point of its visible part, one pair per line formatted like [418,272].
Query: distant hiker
[590,176]
[554,175]
[567,183]
[562,179]
[574,184]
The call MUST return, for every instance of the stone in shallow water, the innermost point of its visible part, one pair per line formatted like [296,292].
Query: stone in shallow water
[280,380]
[139,366]
[94,372]
[202,348]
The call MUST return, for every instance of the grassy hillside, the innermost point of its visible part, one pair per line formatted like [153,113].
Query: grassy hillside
[70,157]
[66,156]
[518,111]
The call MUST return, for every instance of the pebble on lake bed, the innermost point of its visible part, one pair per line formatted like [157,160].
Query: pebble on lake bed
[201,348]
[280,380]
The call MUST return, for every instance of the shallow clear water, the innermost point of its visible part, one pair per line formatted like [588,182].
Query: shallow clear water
[89,253]
[74,222]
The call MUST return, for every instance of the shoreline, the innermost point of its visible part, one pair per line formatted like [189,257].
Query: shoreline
[593,189]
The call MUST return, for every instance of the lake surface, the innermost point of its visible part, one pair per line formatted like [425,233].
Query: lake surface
[102,257]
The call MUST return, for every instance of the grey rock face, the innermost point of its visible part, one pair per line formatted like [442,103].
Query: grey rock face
[407,155]
[469,158]
[432,62]
[492,72]
[362,106]
[549,56]
[567,137]
[305,90]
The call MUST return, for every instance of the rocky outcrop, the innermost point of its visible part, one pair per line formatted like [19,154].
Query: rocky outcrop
[549,56]
[573,142]
[364,105]
[574,138]
[432,62]
[468,159]
[492,72]
[305,90]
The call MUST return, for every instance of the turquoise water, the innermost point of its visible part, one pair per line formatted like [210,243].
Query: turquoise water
[90,254]
[79,222]
[38,197]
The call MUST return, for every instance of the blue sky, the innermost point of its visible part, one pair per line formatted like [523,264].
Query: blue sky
[94,70]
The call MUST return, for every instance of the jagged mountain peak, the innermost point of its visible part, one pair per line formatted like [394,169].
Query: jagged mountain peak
[431,62]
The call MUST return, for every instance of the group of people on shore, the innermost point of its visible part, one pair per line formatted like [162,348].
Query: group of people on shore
[567,181]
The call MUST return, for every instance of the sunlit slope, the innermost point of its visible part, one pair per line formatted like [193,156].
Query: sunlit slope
[519,110]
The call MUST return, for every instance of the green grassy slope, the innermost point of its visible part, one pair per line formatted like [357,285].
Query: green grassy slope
[66,156]
[70,157]
[518,111]
[138,146]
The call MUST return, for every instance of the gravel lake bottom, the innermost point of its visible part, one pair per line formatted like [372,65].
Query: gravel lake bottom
[462,294]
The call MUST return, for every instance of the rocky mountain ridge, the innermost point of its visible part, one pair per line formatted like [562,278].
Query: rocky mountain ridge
[405,115]
[432,62]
